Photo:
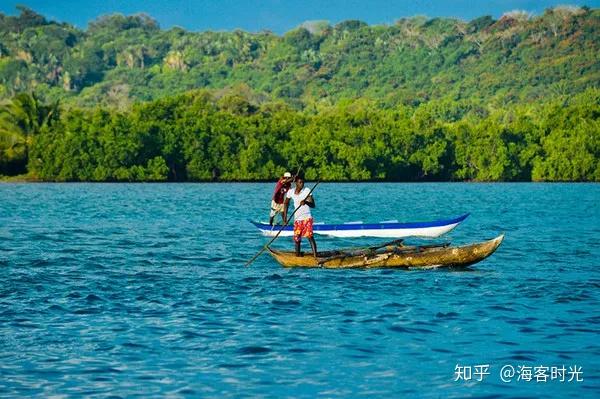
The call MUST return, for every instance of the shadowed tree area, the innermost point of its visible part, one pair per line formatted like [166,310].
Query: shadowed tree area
[21,120]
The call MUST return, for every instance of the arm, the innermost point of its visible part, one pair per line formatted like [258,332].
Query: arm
[277,188]
[310,201]
[286,204]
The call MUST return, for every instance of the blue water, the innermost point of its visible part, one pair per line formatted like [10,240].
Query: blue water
[140,290]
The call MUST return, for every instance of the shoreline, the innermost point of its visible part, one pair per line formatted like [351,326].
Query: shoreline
[23,179]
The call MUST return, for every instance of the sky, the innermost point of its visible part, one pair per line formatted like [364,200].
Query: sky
[278,16]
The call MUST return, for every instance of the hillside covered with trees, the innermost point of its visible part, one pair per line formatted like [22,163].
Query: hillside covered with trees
[516,98]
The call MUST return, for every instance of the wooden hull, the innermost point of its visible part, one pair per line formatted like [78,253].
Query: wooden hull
[396,256]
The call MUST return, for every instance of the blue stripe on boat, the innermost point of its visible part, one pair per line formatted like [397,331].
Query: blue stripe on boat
[368,226]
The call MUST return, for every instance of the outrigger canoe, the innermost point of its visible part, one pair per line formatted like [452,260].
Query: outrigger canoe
[391,229]
[393,255]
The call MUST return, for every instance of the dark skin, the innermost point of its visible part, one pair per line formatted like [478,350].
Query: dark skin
[272,218]
[310,201]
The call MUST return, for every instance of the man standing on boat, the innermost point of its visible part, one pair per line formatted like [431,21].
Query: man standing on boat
[303,221]
[281,189]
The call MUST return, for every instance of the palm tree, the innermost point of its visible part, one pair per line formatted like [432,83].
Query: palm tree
[21,119]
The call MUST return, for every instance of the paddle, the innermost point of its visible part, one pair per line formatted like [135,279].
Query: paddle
[280,230]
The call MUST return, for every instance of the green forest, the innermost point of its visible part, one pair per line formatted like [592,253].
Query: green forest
[509,99]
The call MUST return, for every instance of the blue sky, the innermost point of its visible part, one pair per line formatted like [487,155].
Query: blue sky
[276,15]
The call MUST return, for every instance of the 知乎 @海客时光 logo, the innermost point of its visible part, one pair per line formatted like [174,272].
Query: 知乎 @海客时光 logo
[516,373]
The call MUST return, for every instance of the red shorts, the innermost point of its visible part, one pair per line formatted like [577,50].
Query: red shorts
[303,228]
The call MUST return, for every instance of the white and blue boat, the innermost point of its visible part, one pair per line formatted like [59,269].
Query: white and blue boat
[389,228]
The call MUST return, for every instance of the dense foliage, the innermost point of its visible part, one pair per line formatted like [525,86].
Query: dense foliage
[197,136]
[122,59]
[515,99]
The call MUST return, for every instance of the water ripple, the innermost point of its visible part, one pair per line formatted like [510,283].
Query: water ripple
[140,290]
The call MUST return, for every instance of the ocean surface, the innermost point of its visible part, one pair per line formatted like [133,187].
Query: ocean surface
[140,290]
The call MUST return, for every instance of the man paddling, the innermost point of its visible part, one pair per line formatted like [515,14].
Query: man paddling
[303,221]
[281,189]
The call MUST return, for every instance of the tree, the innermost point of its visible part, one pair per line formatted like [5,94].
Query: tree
[21,120]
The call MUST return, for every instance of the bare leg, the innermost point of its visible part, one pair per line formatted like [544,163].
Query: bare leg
[297,248]
[271,220]
[313,245]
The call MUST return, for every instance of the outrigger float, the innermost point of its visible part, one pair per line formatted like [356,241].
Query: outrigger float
[387,229]
[393,255]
